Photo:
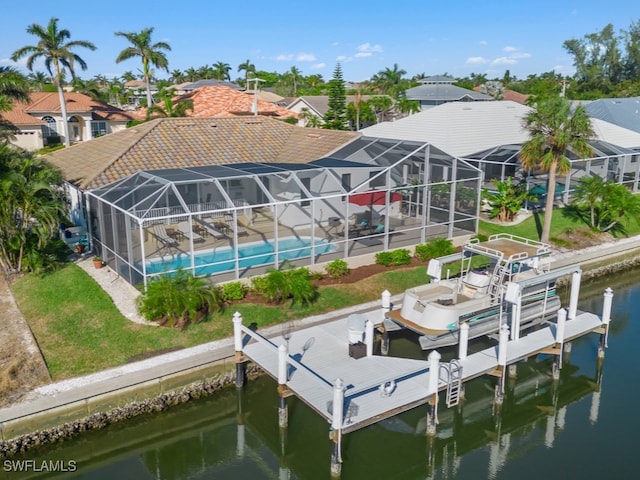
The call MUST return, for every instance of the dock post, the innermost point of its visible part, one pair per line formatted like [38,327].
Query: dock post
[384,344]
[560,326]
[513,295]
[240,429]
[336,428]
[502,363]
[241,364]
[432,405]
[386,304]
[463,341]
[606,319]
[575,292]
[368,337]
[283,367]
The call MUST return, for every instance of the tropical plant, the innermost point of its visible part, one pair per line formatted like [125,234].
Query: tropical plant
[401,256]
[31,206]
[13,87]
[606,203]
[169,109]
[178,299]
[434,248]
[554,128]
[150,53]
[335,118]
[233,291]
[221,71]
[380,104]
[507,200]
[289,283]
[54,48]
[248,68]
[390,81]
[337,269]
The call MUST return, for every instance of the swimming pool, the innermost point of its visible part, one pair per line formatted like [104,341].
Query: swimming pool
[209,262]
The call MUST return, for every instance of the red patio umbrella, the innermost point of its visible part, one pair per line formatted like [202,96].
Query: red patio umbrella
[373,197]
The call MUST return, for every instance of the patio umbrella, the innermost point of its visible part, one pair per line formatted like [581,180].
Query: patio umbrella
[373,197]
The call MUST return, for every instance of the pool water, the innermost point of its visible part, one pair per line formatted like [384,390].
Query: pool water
[208,262]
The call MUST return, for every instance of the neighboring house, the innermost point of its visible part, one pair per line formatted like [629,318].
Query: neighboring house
[318,105]
[190,86]
[39,121]
[439,89]
[136,92]
[226,101]
[202,194]
[490,134]
[624,112]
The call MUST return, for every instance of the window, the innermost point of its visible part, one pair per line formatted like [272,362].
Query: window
[98,129]
[49,130]
[346,183]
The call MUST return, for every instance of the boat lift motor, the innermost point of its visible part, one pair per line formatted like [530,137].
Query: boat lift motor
[434,270]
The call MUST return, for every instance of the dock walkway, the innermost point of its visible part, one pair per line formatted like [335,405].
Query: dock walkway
[318,355]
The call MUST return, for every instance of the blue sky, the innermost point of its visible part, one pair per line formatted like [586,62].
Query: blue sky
[457,38]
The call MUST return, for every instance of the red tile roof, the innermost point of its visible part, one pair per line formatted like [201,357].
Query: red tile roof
[223,101]
[42,103]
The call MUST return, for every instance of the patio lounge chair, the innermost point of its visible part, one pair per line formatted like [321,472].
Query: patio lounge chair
[214,231]
[187,230]
[160,232]
[239,229]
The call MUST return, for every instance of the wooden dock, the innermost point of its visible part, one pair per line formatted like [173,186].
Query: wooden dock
[319,355]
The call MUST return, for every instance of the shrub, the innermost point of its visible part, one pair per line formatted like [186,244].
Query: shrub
[233,291]
[337,269]
[393,257]
[434,248]
[400,257]
[289,283]
[178,299]
[383,258]
[258,285]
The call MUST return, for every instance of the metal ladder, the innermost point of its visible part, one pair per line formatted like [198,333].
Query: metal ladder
[453,379]
[497,279]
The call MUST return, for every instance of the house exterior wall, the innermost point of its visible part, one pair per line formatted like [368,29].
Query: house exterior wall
[29,138]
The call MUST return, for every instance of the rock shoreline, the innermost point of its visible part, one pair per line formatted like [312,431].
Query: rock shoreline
[97,421]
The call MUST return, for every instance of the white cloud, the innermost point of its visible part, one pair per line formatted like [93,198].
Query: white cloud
[363,54]
[368,48]
[318,66]
[476,61]
[306,57]
[335,44]
[504,61]
[518,56]
[300,57]
[509,49]
[484,42]
[343,58]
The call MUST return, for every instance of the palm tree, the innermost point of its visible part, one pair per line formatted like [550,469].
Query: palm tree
[38,80]
[150,53]
[13,87]
[221,71]
[554,128]
[390,81]
[57,56]
[248,68]
[32,207]
[169,108]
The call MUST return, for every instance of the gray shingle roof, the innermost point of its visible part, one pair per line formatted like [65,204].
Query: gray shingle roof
[624,112]
[443,92]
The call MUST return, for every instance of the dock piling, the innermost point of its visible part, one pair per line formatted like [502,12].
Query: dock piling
[368,337]
[432,405]
[606,319]
[463,342]
[502,363]
[336,427]
[239,357]
[575,292]
[283,377]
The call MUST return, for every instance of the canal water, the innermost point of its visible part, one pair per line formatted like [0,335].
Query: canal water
[583,426]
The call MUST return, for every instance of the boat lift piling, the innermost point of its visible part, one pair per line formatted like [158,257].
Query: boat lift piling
[386,308]
[606,319]
[241,361]
[502,364]
[335,435]
[283,393]
[432,404]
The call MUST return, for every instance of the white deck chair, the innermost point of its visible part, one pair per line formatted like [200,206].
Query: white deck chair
[160,232]
[239,229]
[187,231]
[213,231]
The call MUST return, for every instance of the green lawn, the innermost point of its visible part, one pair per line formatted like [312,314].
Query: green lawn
[80,330]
